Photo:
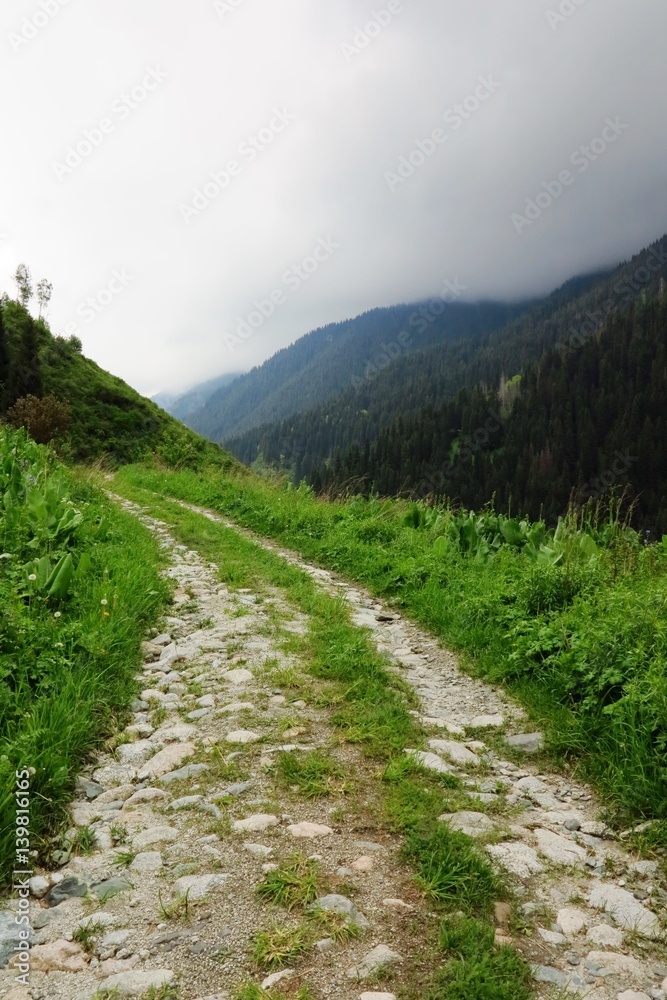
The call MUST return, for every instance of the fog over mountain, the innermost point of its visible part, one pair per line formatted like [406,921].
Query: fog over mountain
[188,169]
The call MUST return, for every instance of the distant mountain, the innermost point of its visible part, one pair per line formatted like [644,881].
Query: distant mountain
[306,440]
[185,405]
[333,358]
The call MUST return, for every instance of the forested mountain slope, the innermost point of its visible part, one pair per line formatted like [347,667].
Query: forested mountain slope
[429,377]
[329,360]
[584,419]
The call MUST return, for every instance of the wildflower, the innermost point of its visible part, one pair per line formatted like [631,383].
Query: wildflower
[59,645]
[57,614]
[106,614]
[32,577]
[104,601]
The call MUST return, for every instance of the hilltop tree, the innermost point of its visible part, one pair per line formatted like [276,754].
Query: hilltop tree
[44,292]
[23,281]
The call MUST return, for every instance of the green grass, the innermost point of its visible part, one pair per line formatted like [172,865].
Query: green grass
[583,642]
[297,882]
[315,773]
[69,650]
[475,970]
[279,945]
[87,936]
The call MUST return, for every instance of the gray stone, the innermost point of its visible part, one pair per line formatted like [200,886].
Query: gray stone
[474,824]
[379,958]
[527,742]
[259,850]
[625,909]
[487,722]
[147,861]
[9,936]
[91,789]
[456,752]
[183,773]
[135,983]
[166,760]
[431,761]
[115,774]
[531,786]
[39,886]
[198,886]
[135,754]
[558,849]
[235,790]
[111,887]
[547,974]
[572,825]
[66,889]
[256,823]
[334,903]
[187,802]
[243,736]
[517,858]
[155,835]
[551,937]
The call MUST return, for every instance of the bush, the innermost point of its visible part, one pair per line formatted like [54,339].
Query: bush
[44,419]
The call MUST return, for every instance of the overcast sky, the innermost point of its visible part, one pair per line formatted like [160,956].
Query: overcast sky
[116,112]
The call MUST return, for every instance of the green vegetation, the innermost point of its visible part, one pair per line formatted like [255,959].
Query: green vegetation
[78,584]
[585,418]
[316,773]
[279,945]
[295,883]
[476,970]
[573,620]
[51,388]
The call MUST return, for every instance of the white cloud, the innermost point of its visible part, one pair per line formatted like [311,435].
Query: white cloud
[225,73]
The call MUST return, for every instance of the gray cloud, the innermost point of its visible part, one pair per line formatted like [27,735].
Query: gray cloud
[166,94]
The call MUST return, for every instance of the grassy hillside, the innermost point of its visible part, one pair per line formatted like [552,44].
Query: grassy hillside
[107,417]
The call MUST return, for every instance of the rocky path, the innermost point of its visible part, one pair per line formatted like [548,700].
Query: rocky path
[203,800]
